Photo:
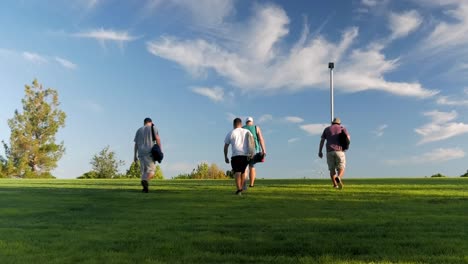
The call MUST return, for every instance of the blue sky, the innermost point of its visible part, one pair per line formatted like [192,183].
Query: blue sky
[401,84]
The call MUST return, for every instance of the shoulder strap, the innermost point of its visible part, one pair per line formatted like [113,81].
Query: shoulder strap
[152,133]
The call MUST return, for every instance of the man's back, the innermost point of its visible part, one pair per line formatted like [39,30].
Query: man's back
[237,138]
[144,139]
[331,134]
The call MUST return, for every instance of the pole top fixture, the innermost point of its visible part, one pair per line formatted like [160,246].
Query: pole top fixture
[331,65]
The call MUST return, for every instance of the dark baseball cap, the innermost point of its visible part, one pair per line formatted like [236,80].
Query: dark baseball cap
[147,120]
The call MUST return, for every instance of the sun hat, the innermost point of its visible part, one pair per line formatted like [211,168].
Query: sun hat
[336,120]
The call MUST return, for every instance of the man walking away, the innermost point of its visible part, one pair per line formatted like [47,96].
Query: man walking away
[237,138]
[259,147]
[142,151]
[336,158]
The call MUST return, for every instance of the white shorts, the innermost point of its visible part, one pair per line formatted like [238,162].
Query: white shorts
[147,166]
[336,160]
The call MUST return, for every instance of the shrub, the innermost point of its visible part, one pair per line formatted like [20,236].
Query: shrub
[438,175]
[204,171]
[89,175]
[465,175]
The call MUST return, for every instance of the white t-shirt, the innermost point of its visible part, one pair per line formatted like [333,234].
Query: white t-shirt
[237,139]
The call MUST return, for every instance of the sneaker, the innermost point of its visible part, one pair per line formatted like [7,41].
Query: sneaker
[339,182]
[336,187]
[239,192]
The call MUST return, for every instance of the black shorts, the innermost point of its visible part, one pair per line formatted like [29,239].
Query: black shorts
[239,163]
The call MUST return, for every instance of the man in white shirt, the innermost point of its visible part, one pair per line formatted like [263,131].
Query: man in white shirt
[237,138]
[142,151]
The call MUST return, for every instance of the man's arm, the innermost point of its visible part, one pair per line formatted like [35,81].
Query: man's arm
[135,151]
[320,154]
[226,146]
[261,140]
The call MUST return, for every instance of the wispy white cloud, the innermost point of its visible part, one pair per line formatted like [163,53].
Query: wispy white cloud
[66,63]
[230,116]
[380,130]
[215,94]
[292,140]
[204,14]
[435,156]
[365,70]
[369,2]
[265,118]
[35,58]
[259,63]
[90,4]
[445,100]
[442,127]
[103,35]
[208,13]
[293,119]
[448,35]
[314,129]
[402,24]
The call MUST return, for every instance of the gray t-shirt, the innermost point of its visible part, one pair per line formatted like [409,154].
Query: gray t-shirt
[144,140]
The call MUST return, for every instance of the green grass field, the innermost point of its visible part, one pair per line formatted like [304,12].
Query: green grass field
[197,221]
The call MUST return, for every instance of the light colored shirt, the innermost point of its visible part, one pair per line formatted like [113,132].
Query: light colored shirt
[238,140]
[144,140]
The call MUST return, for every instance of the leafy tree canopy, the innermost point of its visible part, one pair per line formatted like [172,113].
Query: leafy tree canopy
[33,151]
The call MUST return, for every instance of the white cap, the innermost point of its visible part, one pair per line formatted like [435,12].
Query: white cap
[249,119]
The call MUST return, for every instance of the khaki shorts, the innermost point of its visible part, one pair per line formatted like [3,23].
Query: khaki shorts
[336,160]
[146,166]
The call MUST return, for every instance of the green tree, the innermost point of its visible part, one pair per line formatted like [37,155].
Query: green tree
[158,174]
[134,170]
[105,164]
[33,151]
[465,175]
[89,175]
[204,171]
[438,175]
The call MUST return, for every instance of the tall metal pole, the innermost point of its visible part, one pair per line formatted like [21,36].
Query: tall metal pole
[331,65]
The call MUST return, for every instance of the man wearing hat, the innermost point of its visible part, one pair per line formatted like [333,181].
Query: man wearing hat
[259,147]
[336,158]
[142,151]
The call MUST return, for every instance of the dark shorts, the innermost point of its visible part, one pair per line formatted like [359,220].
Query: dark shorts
[239,163]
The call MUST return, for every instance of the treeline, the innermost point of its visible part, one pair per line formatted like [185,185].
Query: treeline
[439,175]
[205,171]
[105,165]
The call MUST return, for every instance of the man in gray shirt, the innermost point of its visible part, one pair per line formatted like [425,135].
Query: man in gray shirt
[142,151]
[336,158]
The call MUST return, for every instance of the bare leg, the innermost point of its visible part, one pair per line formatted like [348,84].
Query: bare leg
[340,173]
[243,179]
[252,174]
[332,176]
[238,178]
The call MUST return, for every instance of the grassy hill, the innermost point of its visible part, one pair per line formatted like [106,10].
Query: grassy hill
[190,221]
